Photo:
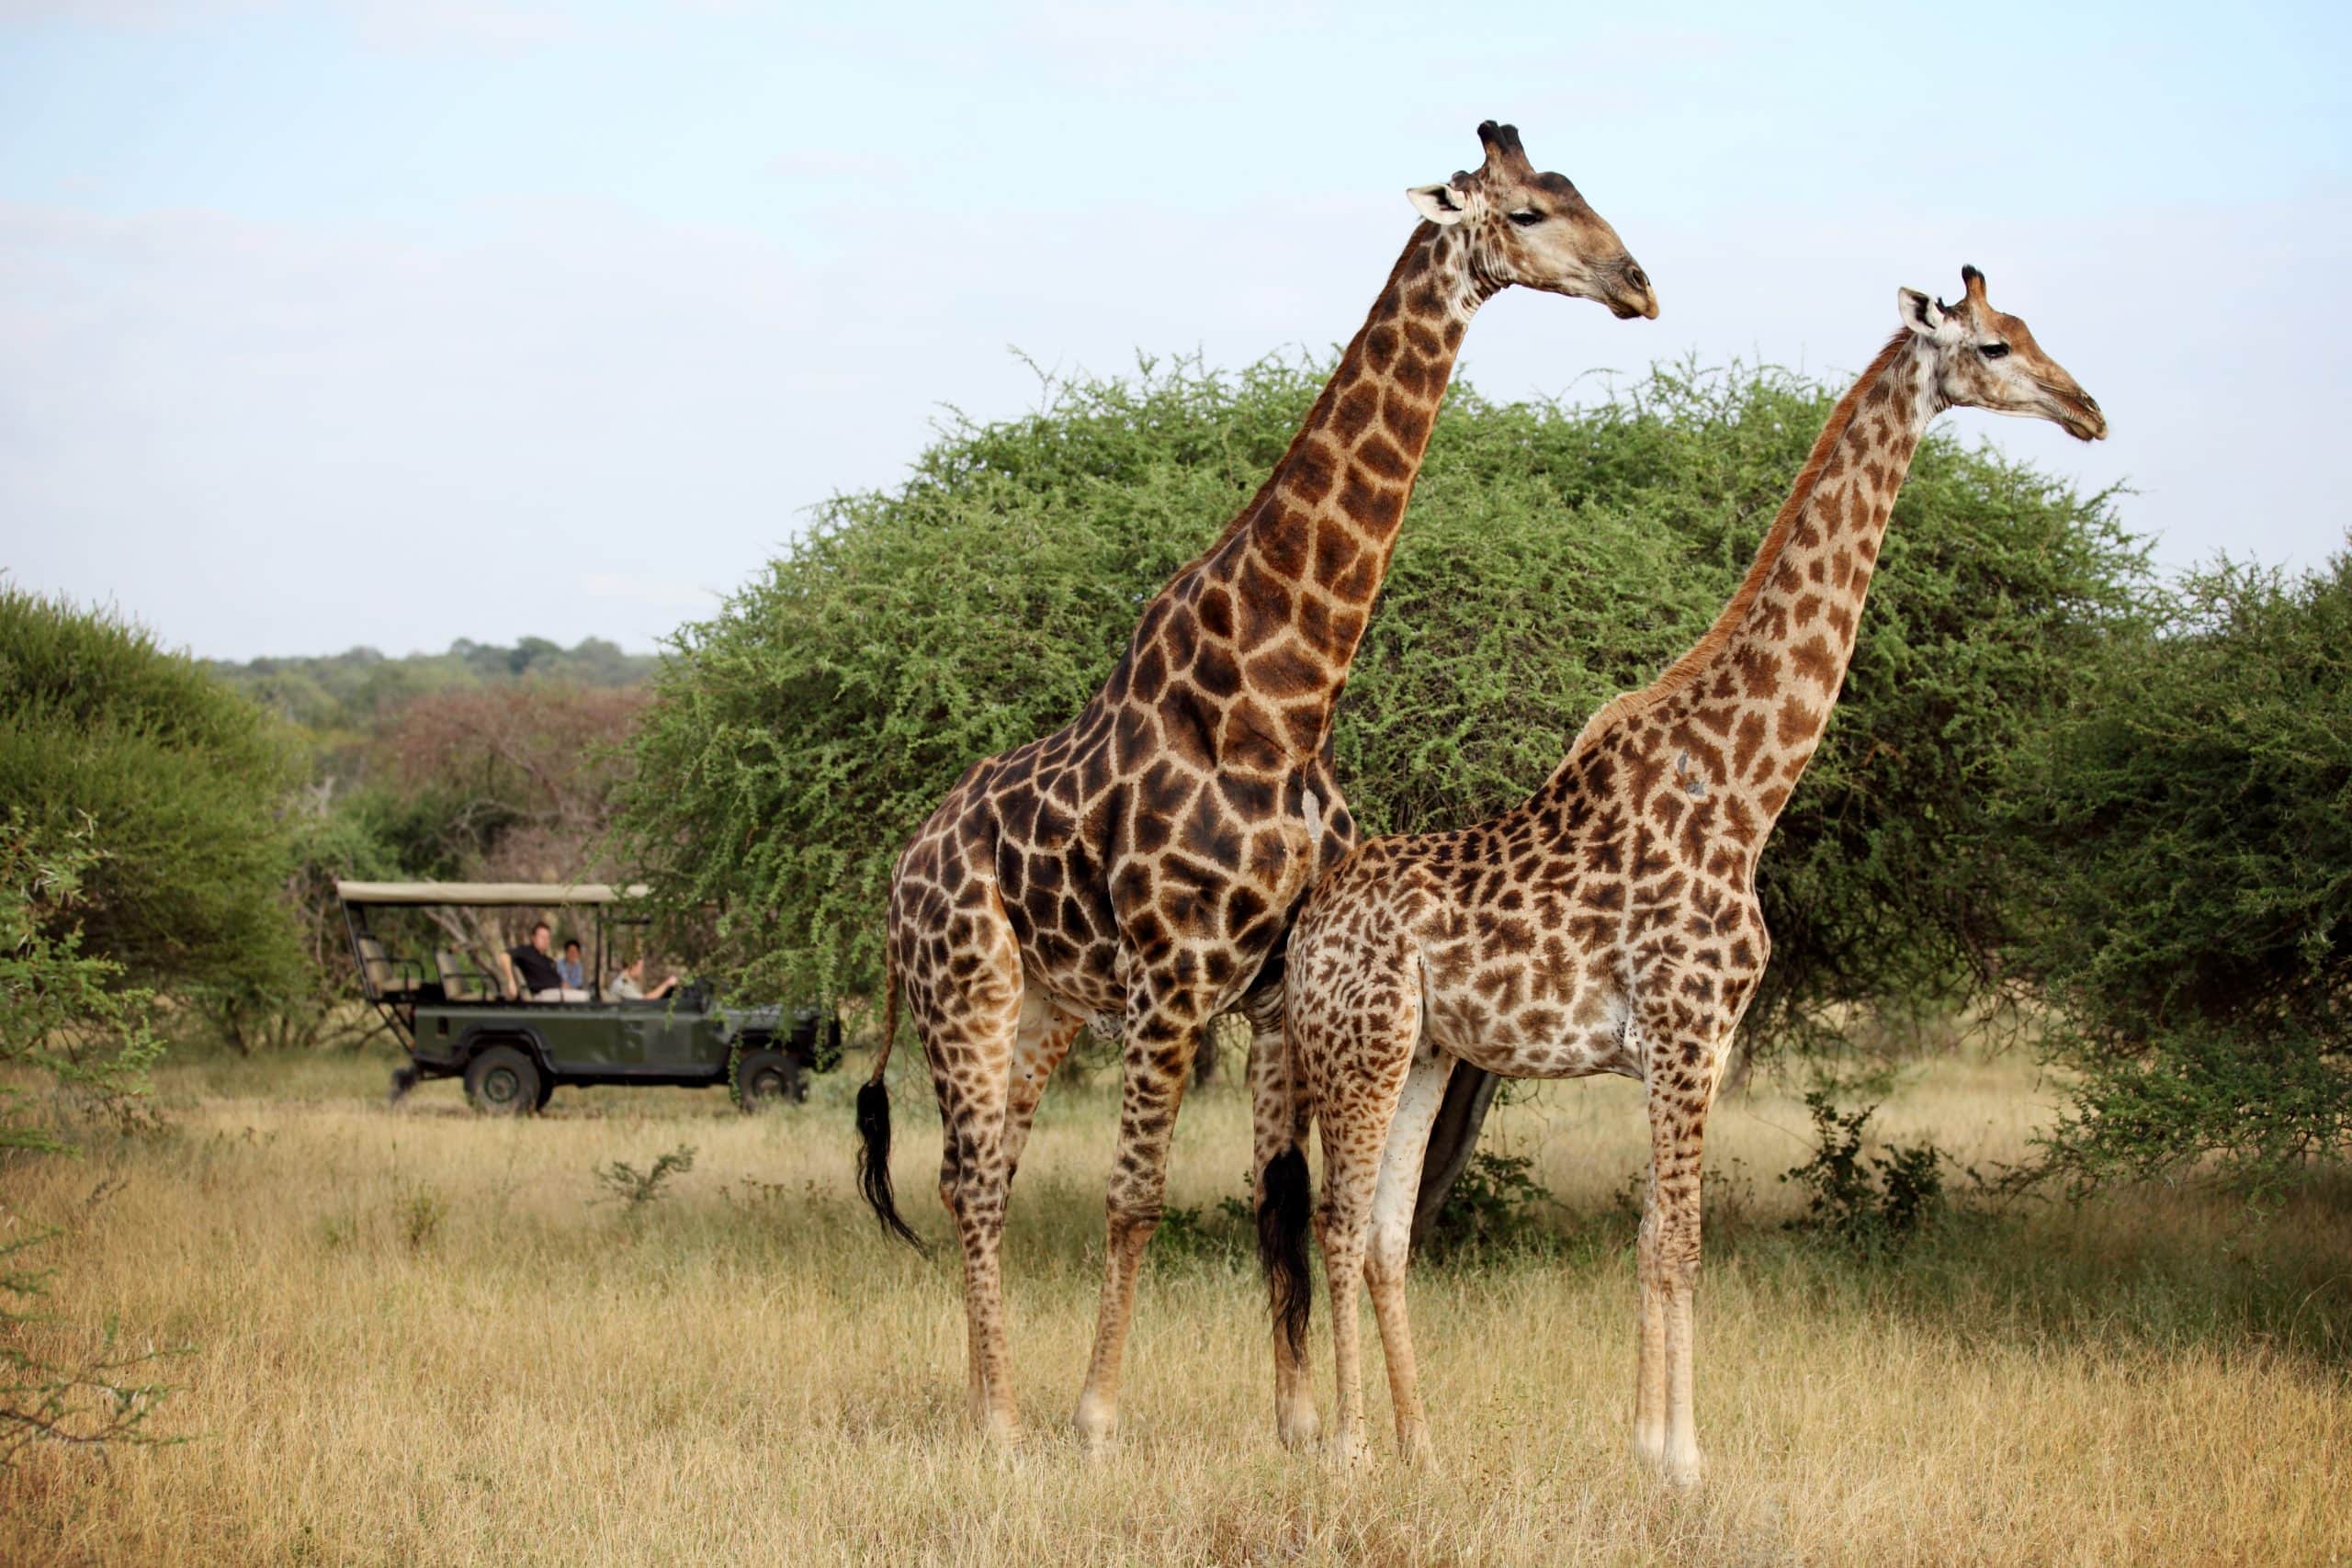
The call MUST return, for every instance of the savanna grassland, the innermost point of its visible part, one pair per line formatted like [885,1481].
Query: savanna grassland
[415,1336]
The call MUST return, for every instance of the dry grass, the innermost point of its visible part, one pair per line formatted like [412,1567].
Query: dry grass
[418,1338]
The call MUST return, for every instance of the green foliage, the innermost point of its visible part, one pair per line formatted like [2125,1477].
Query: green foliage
[1553,556]
[2191,884]
[1874,1203]
[64,1017]
[179,784]
[1495,1205]
[62,1012]
[633,1189]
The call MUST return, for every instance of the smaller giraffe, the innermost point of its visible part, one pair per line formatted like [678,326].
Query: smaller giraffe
[1610,924]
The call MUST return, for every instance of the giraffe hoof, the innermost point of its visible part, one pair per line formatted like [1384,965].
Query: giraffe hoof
[1681,1469]
[1097,1425]
[1298,1429]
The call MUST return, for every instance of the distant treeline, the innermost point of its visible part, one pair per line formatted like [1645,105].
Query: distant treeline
[341,692]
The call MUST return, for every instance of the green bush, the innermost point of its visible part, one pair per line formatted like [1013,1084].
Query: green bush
[182,786]
[1552,557]
[1873,1202]
[2189,898]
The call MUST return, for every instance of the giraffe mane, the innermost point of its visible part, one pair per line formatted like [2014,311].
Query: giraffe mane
[1702,653]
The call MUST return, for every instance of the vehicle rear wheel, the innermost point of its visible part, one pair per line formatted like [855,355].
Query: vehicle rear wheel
[765,1078]
[501,1081]
[546,1092]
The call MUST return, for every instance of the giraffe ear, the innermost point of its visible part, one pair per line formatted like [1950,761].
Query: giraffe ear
[1441,204]
[1923,315]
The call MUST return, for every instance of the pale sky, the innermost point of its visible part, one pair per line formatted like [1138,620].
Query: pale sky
[392,321]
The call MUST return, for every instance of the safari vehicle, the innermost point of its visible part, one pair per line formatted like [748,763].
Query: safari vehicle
[458,1019]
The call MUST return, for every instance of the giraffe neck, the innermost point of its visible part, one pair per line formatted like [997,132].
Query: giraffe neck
[1275,608]
[1745,708]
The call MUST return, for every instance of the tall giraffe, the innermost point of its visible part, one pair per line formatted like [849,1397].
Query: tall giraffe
[1610,924]
[1145,859]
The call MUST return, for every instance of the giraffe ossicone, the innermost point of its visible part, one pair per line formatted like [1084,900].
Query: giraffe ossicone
[1146,859]
[1609,924]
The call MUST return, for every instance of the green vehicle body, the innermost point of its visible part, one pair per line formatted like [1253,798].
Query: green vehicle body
[458,1021]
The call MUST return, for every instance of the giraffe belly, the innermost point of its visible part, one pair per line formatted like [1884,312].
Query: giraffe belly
[1575,1038]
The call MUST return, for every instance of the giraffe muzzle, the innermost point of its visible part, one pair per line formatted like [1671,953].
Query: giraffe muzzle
[1632,295]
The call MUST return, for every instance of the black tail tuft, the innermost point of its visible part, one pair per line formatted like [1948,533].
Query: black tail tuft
[874,1162]
[1282,1217]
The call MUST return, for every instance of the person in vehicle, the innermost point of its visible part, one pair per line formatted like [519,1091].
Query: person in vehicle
[628,985]
[535,975]
[568,965]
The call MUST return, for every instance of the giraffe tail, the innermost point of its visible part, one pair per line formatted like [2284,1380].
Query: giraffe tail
[1286,1202]
[874,1121]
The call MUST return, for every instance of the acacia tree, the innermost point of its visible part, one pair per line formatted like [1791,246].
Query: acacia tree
[1554,556]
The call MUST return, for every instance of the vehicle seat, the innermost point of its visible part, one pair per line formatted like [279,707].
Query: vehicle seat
[460,982]
[388,977]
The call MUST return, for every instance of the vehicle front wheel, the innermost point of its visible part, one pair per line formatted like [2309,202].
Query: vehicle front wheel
[765,1078]
[502,1081]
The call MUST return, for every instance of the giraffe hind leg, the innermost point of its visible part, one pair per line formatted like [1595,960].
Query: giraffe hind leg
[1045,1036]
[1364,1063]
[1391,1242]
[971,1052]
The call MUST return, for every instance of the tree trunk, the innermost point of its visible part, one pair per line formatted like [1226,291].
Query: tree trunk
[1452,1140]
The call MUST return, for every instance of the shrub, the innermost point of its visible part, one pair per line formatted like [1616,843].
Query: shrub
[62,1015]
[1496,1204]
[179,784]
[1873,1202]
[62,1012]
[2189,898]
[634,1189]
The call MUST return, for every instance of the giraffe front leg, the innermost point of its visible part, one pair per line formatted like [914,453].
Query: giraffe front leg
[1158,1058]
[1681,1078]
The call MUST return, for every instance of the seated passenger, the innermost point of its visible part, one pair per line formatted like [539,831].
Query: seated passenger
[568,965]
[628,985]
[535,975]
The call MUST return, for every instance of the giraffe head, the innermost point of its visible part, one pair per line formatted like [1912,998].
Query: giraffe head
[1530,227]
[1988,360]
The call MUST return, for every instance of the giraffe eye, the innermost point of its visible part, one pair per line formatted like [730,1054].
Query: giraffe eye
[1527,219]
[1993,350]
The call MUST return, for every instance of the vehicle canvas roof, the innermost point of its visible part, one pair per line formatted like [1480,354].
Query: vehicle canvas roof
[484,894]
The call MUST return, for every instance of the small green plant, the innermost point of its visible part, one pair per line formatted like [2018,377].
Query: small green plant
[1495,1205]
[1876,1202]
[418,1215]
[634,1189]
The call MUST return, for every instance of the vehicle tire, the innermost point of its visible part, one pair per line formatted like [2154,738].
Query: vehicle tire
[546,1092]
[767,1079]
[501,1081]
